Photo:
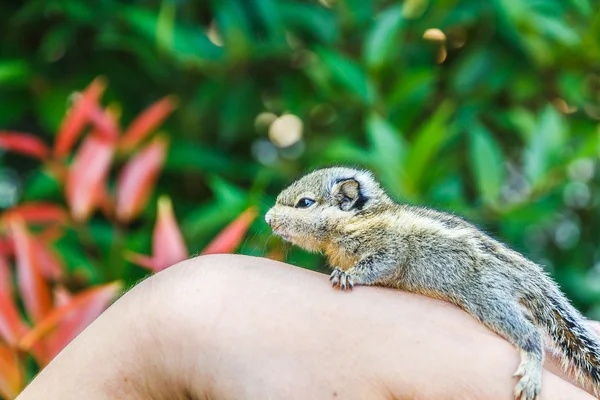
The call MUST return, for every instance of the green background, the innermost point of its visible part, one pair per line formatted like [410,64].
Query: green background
[496,120]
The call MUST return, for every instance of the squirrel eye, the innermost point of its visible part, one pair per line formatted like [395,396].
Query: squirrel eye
[304,202]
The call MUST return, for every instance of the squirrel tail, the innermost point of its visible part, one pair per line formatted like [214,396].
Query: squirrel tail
[576,344]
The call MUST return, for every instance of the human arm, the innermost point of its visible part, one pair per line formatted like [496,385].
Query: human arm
[234,327]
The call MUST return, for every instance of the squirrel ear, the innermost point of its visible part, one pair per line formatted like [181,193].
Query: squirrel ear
[347,192]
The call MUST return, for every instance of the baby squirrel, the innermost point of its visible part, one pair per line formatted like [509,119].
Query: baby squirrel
[371,240]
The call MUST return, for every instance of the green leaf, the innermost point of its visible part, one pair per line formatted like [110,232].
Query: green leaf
[309,19]
[582,6]
[349,74]
[428,141]
[555,27]
[187,43]
[234,27]
[342,149]
[190,156]
[41,186]
[487,163]
[225,192]
[545,145]
[387,142]
[523,120]
[472,73]
[237,111]
[206,220]
[269,13]
[164,25]
[51,105]
[356,13]
[15,109]
[14,72]
[73,252]
[382,39]
[388,151]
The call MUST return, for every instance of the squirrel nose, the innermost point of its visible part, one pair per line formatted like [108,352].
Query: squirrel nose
[269,216]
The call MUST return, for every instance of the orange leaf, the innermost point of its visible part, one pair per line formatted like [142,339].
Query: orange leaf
[32,286]
[77,117]
[142,260]
[76,314]
[87,175]
[37,213]
[146,122]
[12,326]
[11,374]
[137,179]
[230,237]
[24,143]
[51,234]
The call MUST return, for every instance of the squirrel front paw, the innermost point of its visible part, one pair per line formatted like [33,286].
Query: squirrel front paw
[344,280]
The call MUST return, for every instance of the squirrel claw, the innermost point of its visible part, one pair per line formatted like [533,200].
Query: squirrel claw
[529,386]
[335,274]
[339,277]
[335,277]
[526,390]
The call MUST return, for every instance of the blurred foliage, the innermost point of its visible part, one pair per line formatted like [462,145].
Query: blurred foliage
[489,109]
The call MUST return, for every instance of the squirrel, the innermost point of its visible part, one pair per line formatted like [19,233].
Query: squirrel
[369,239]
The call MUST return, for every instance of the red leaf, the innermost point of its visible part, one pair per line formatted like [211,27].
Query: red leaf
[32,286]
[37,213]
[167,242]
[71,318]
[106,202]
[137,179]
[6,247]
[51,267]
[146,122]
[168,247]
[87,175]
[104,123]
[75,120]
[5,277]
[230,237]
[24,143]
[61,296]
[11,375]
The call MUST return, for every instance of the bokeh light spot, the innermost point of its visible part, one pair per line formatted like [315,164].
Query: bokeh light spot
[286,130]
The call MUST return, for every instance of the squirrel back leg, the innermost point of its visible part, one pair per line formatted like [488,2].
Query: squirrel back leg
[509,321]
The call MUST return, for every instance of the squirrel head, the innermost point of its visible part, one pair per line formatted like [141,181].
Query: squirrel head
[312,210]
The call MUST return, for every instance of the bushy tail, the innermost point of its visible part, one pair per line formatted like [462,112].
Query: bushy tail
[577,345]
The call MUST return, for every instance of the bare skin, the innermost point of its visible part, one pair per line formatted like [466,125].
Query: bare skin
[234,327]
